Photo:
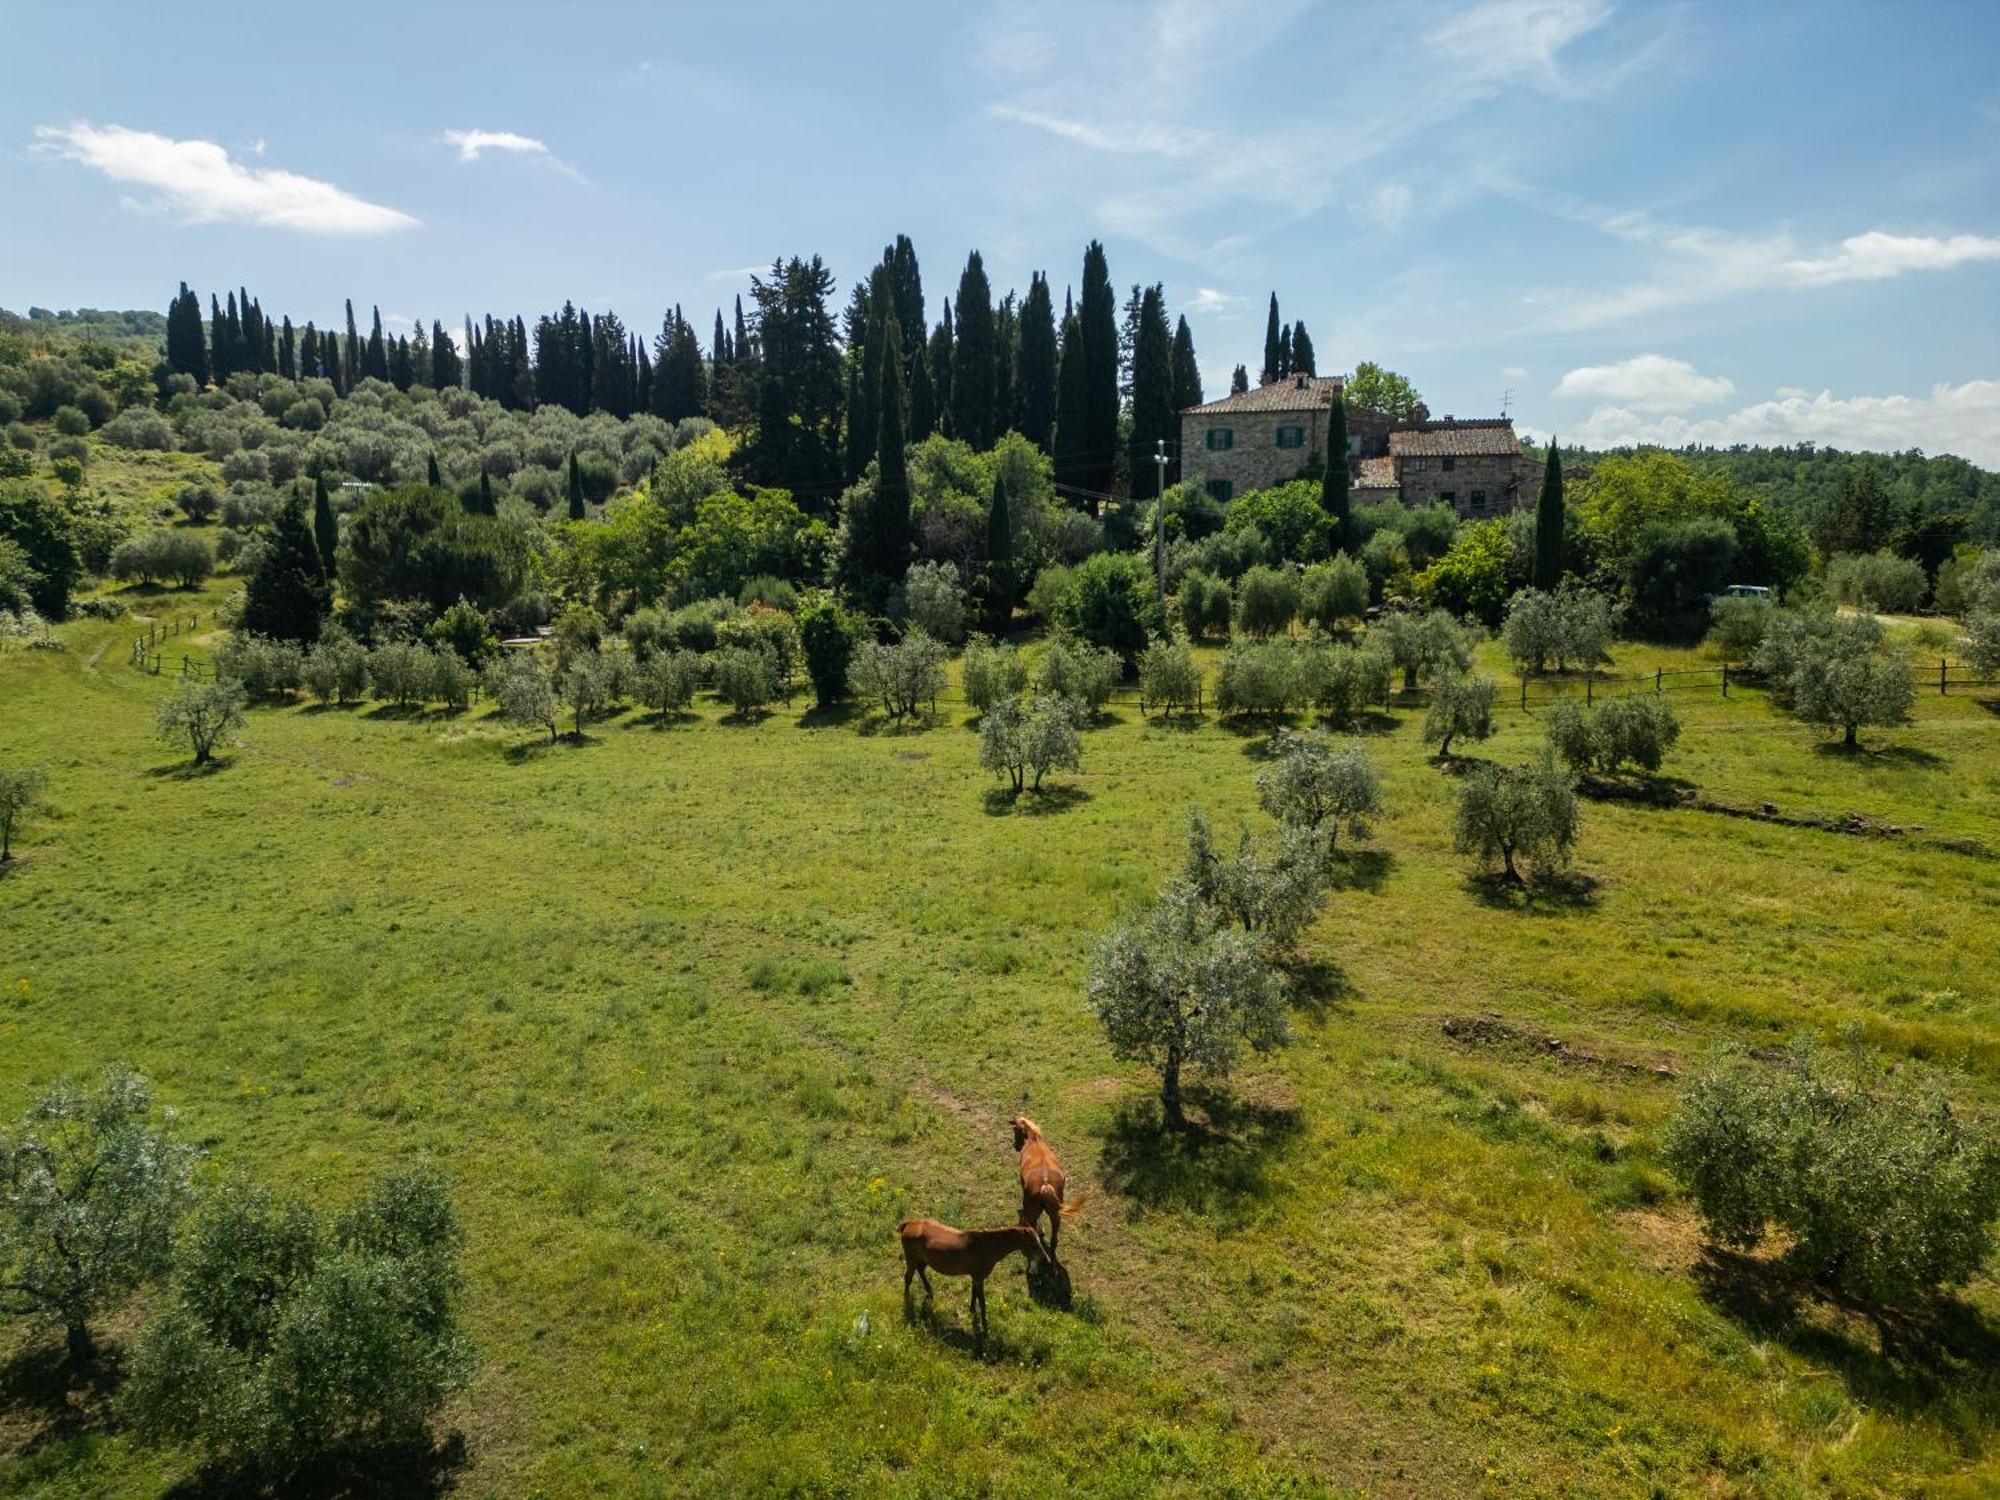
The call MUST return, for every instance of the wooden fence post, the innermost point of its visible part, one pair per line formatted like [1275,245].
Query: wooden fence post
[1656,682]
[1524,690]
[1725,679]
[1942,679]
[1589,685]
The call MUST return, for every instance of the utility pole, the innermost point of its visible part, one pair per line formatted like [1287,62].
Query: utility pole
[1160,524]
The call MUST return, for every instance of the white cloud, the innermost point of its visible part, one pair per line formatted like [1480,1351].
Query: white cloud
[1514,372]
[1647,382]
[1876,256]
[1131,139]
[199,181]
[473,143]
[1217,304]
[1962,419]
[737,273]
[1501,41]
[1388,205]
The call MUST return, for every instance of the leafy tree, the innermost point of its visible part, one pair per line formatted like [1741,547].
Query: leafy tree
[1267,601]
[1027,738]
[45,534]
[1273,886]
[1169,676]
[326,530]
[1259,678]
[1530,629]
[287,597]
[1674,565]
[1372,388]
[200,715]
[1549,523]
[744,679]
[1073,668]
[336,671]
[463,629]
[418,544]
[1862,516]
[582,688]
[400,671]
[525,693]
[92,1185]
[20,793]
[935,601]
[1843,680]
[990,673]
[1526,812]
[1638,730]
[1174,989]
[1289,516]
[665,681]
[1461,708]
[1473,577]
[1340,681]
[1112,602]
[1876,580]
[1310,784]
[827,634]
[1333,593]
[1205,604]
[1737,624]
[1884,1191]
[575,490]
[905,678]
[263,666]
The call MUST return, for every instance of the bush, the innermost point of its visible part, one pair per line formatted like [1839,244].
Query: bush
[1737,623]
[92,1184]
[521,686]
[1430,644]
[744,678]
[1204,604]
[991,673]
[1339,681]
[1333,593]
[1112,602]
[774,634]
[263,666]
[1884,1191]
[1309,784]
[1602,740]
[198,502]
[1461,708]
[904,678]
[583,687]
[1072,669]
[666,681]
[336,671]
[827,633]
[291,1335]
[1876,581]
[1258,679]
[199,716]
[1168,676]
[1289,516]
[1028,738]
[935,601]
[1267,601]
[463,629]
[1524,812]
[139,427]
[70,422]
[162,555]
[20,792]
[772,593]
[401,671]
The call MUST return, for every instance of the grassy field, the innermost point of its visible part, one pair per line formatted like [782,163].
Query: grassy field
[693,1015]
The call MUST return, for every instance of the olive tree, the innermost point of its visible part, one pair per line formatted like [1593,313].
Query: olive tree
[200,715]
[1073,668]
[1169,676]
[1272,886]
[1602,740]
[1258,678]
[1334,592]
[1267,601]
[92,1185]
[935,601]
[992,672]
[1339,681]
[1026,738]
[1527,812]
[665,681]
[1429,644]
[1461,708]
[583,689]
[20,793]
[905,678]
[1311,784]
[1883,1190]
[336,671]
[1204,604]
[744,678]
[1842,685]
[1175,987]
[526,694]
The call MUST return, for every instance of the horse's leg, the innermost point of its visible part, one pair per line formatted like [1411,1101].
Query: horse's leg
[1055,1225]
[979,1304]
[923,1271]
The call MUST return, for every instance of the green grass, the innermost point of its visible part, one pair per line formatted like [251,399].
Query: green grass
[692,1015]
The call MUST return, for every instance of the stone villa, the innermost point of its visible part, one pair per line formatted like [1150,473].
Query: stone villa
[1272,433]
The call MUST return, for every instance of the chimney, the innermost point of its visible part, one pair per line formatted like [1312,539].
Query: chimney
[1300,382]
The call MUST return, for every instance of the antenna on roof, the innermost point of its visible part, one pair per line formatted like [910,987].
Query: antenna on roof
[1506,400]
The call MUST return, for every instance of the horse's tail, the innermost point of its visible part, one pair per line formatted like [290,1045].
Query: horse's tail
[1070,1208]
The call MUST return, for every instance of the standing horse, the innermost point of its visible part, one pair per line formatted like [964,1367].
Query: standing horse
[1041,1180]
[964,1252]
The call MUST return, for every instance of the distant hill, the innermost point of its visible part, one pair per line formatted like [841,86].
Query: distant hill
[133,326]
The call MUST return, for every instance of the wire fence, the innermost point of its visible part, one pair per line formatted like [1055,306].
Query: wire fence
[145,647]
[1590,686]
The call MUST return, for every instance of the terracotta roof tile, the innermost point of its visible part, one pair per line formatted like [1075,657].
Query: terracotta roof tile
[1279,395]
[1376,474]
[1485,436]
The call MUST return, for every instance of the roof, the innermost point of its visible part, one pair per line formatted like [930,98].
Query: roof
[1375,474]
[1452,438]
[1293,393]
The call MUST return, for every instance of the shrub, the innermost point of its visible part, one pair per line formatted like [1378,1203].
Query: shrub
[70,422]
[992,672]
[1309,784]
[1884,1191]
[583,689]
[1070,668]
[827,633]
[400,671]
[336,671]
[451,678]
[771,632]
[1333,592]
[772,593]
[1112,602]
[904,678]
[935,601]
[92,1184]
[522,687]
[1204,604]
[463,629]
[162,555]
[744,677]
[692,627]
[139,427]
[291,1335]
[1737,623]
[1461,708]
[1026,738]
[198,502]
[1168,676]
[1267,601]
[199,715]
[1602,740]
[1050,594]
[665,682]
[1258,678]
[1339,681]
[1526,812]
[20,791]
[1876,581]
[263,666]
[1289,516]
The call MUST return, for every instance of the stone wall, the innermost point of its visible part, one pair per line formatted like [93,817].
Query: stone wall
[1494,477]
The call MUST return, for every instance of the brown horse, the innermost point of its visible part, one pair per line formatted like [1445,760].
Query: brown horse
[1041,1180]
[963,1252]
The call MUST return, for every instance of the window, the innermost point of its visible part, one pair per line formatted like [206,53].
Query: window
[1221,437]
[1221,489]
[1450,464]
[1479,499]
[1291,437]
[1423,464]
[1450,497]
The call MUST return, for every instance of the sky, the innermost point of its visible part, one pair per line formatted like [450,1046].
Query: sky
[1626,221]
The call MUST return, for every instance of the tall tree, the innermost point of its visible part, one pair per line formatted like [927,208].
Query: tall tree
[1035,366]
[1334,497]
[219,345]
[1006,347]
[1187,371]
[873,300]
[446,367]
[187,352]
[1284,352]
[890,512]
[923,400]
[1072,431]
[485,504]
[287,597]
[1549,522]
[1304,362]
[911,317]
[1153,418]
[309,366]
[1273,354]
[350,361]
[972,358]
[1097,316]
[940,363]
[796,440]
[402,369]
[376,365]
[576,510]
[326,530]
[1239,380]
[999,559]
[431,476]
[288,351]
[679,374]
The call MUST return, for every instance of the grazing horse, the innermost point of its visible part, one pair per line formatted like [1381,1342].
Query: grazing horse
[963,1252]
[1041,1180]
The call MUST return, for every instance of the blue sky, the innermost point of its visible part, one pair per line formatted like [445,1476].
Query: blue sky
[1730,222]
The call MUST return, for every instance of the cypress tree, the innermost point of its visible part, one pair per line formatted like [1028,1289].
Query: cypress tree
[486,505]
[375,364]
[350,361]
[1272,357]
[1097,316]
[576,511]
[445,363]
[940,362]
[240,358]
[973,357]
[923,401]
[999,559]
[309,353]
[1071,433]
[287,597]
[1284,352]
[1035,367]
[1006,342]
[1333,485]
[1239,380]
[431,476]
[1153,419]
[288,352]
[402,368]
[908,282]
[1549,522]
[218,341]
[1187,391]
[187,352]
[326,530]
[889,519]
[873,303]
[1303,360]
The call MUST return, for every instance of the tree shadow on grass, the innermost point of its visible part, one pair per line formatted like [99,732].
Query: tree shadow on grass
[1179,723]
[316,709]
[1903,755]
[1352,869]
[1638,791]
[1375,721]
[1218,1162]
[396,712]
[874,724]
[1939,1357]
[1319,986]
[536,748]
[1005,802]
[187,770]
[744,718]
[42,1390]
[401,1471]
[1991,705]
[667,718]
[1547,895]
[829,717]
